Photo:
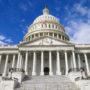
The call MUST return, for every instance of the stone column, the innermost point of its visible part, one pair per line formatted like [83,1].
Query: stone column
[50,63]
[18,60]
[57,36]
[58,72]
[13,61]
[66,62]
[0,58]
[74,60]
[79,61]
[34,64]
[42,63]
[26,64]
[86,62]
[61,37]
[6,64]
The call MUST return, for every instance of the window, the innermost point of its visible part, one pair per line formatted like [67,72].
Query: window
[50,34]
[59,36]
[55,34]
[52,26]
[41,34]
[42,25]
[46,33]
[62,37]
[36,35]
[32,36]
[29,37]
[49,26]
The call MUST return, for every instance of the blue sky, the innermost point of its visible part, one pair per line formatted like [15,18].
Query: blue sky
[17,15]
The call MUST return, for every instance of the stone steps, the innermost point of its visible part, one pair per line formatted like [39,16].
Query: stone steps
[47,83]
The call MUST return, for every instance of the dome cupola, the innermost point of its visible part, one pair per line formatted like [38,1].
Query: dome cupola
[45,11]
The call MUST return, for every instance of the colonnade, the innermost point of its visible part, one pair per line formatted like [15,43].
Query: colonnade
[58,61]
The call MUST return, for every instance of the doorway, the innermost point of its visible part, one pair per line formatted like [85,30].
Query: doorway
[46,71]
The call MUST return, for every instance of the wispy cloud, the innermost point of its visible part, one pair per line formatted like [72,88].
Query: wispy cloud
[79,27]
[83,10]
[25,6]
[4,40]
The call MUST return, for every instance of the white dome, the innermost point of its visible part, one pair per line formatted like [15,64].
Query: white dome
[46,17]
[46,25]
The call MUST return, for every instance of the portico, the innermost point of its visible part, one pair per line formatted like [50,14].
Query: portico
[34,62]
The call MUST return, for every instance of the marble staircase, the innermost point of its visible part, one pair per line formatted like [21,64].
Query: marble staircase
[47,83]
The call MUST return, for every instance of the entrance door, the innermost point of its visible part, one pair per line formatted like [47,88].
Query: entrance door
[46,71]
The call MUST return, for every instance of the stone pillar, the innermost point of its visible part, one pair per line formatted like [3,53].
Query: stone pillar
[34,64]
[42,63]
[13,61]
[86,62]
[58,72]
[50,63]
[6,64]
[18,60]
[66,62]
[26,64]
[0,58]
[79,61]
[61,37]
[74,60]
[57,36]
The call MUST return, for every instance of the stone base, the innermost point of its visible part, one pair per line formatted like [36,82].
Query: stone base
[74,75]
[33,73]
[83,84]
[18,75]
[58,73]
[88,74]
[8,84]
[50,73]
[42,73]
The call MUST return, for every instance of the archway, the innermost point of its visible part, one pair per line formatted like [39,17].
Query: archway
[46,71]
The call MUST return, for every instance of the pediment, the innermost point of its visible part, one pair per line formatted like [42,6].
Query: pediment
[46,41]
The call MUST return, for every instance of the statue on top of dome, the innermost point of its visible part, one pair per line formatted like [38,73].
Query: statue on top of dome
[46,10]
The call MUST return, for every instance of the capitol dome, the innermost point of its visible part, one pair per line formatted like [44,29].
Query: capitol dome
[46,25]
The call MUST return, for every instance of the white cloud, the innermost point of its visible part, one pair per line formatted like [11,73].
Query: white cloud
[2,37]
[80,9]
[79,28]
[83,10]
[82,34]
[4,40]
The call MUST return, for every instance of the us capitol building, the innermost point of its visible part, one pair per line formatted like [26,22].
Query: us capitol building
[45,53]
